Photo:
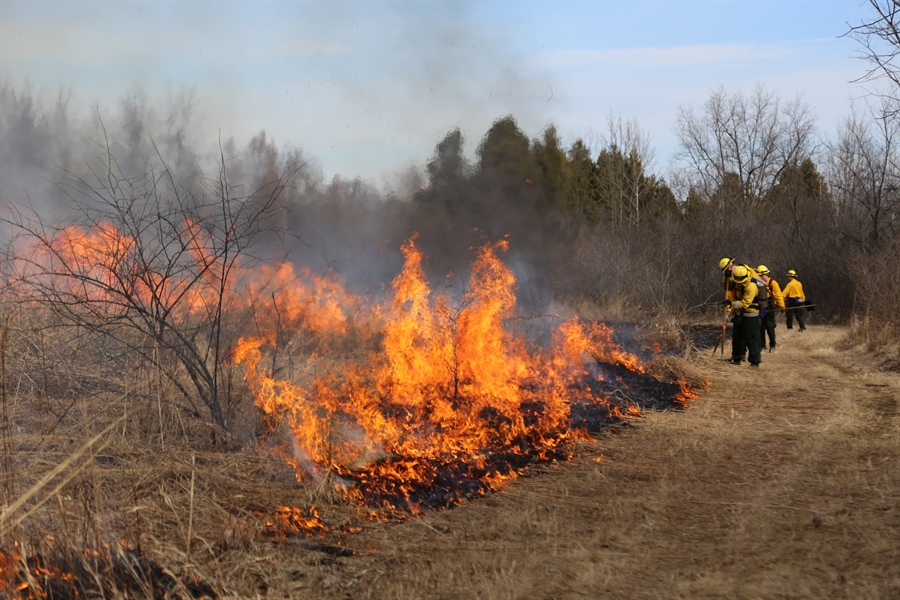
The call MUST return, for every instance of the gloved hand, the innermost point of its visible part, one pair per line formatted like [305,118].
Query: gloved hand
[736,304]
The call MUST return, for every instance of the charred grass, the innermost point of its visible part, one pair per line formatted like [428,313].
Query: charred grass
[777,483]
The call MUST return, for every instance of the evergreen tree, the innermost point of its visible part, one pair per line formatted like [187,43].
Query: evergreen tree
[581,197]
[799,196]
[507,167]
[552,167]
[448,175]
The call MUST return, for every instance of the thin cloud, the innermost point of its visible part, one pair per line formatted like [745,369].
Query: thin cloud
[694,55]
[308,47]
[79,43]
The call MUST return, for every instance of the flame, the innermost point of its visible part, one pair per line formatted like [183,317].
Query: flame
[413,394]
[302,300]
[687,392]
[8,569]
[450,397]
[66,573]
[105,266]
[294,520]
[100,256]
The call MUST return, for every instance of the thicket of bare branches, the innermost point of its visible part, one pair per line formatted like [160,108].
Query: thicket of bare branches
[879,39]
[147,270]
[741,144]
[864,172]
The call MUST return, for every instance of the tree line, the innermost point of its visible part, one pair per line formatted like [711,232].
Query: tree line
[753,181]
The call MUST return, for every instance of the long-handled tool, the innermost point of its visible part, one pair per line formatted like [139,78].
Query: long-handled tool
[801,306]
[721,340]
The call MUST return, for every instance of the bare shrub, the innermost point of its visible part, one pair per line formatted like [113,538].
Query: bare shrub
[151,266]
[877,302]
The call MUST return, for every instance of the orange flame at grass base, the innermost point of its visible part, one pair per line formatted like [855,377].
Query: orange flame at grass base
[106,573]
[443,398]
[289,521]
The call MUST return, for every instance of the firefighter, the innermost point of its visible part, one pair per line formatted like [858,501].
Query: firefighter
[776,304]
[745,320]
[727,266]
[794,298]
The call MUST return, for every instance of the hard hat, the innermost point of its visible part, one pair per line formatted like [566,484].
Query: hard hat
[740,274]
[723,264]
[792,273]
[762,269]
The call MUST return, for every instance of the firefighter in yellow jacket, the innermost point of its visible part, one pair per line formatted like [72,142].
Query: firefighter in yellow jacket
[776,304]
[745,319]
[727,266]
[794,298]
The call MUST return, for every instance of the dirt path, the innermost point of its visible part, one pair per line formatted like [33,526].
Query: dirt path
[779,483]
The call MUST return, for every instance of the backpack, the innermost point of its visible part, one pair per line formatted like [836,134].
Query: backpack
[762,295]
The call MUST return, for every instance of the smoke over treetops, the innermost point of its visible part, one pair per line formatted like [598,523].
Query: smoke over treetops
[344,225]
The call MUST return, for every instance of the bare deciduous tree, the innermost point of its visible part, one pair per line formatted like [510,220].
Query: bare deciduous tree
[880,39]
[750,138]
[864,176]
[626,139]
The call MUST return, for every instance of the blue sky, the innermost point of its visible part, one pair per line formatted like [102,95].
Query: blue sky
[368,88]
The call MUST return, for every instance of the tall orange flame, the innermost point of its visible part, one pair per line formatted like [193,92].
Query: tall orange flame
[447,382]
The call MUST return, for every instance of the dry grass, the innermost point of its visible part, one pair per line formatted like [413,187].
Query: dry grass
[779,483]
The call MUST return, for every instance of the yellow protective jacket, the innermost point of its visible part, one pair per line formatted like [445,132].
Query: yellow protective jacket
[793,289]
[776,298]
[744,302]
[731,286]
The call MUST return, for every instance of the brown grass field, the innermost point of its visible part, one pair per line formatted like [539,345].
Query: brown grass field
[782,482]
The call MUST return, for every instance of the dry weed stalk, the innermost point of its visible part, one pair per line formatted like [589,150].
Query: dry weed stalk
[8,521]
[5,429]
[190,528]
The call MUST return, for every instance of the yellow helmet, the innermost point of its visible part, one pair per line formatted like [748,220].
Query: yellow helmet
[723,264]
[740,274]
[792,273]
[762,270]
